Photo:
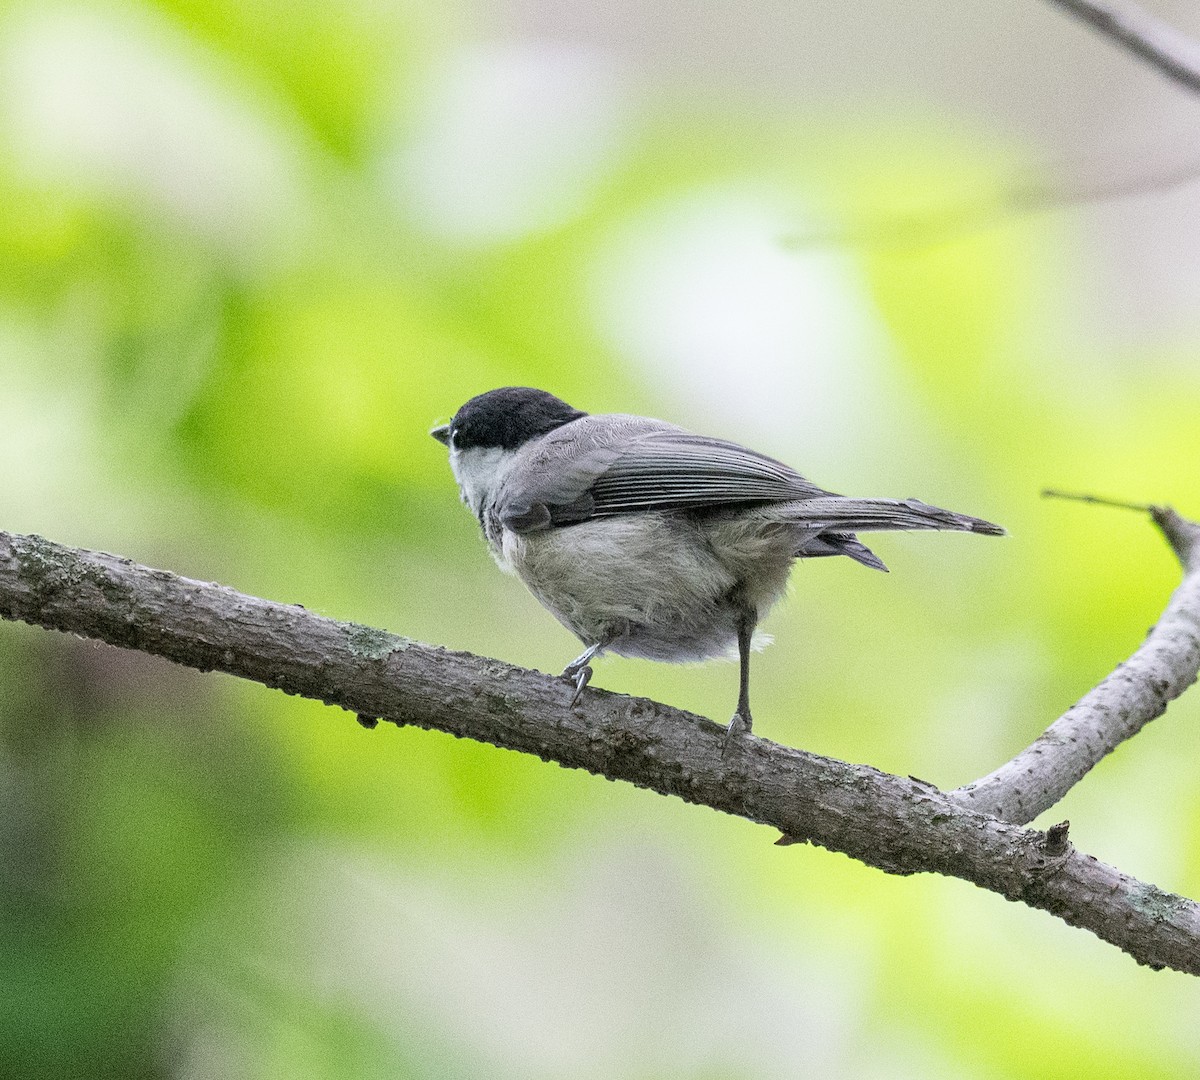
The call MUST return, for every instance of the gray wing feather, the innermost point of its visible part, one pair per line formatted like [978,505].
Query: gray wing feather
[678,469]
[599,466]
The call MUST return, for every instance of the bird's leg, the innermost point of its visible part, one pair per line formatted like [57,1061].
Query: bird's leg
[741,722]
[579,670]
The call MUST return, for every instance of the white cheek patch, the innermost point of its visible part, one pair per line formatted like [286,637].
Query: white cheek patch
[479,471]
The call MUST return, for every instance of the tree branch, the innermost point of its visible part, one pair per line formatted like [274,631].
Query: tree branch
[1023,195]
[896,824]
[1169,51]
[1161,669]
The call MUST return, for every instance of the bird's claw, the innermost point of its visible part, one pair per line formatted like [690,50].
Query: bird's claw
[580,677]
[739,727]
[741,724]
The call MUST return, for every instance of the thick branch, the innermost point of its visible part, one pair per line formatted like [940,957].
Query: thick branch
[1164,48]
[899,825]
[1161,669]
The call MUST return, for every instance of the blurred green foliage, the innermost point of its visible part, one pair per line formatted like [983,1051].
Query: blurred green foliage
[226,326]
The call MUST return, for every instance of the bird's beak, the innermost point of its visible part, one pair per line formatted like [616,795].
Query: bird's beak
[442,434]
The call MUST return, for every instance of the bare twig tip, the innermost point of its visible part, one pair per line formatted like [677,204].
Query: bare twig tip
[1098,500]
[1055,842]
[1182,534]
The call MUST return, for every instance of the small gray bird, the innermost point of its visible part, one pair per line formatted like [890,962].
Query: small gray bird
[646,539]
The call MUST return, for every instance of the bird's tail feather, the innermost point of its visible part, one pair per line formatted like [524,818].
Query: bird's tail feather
[866,515]
[837,543]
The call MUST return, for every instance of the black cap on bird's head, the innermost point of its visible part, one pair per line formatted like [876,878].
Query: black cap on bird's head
[506,419]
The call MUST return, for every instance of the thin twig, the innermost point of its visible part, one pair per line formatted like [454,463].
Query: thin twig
[1098,500]
[1169,51]
[890,822]
[1165,49]
[1161,669]
[1022,197]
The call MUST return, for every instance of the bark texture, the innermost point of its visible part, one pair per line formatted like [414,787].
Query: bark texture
[894,823]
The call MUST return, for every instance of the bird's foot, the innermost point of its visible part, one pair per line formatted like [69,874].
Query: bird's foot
[739,728]
[579,670]
[580,676]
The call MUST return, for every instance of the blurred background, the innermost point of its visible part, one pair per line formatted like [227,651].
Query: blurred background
[250,253]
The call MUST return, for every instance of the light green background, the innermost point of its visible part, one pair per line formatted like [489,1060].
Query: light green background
[249,254]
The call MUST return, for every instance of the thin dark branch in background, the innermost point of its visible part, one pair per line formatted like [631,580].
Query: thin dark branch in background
[897,824]
[1167,50]
[1024,197]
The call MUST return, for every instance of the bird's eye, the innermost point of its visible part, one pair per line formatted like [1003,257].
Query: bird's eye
[453,437]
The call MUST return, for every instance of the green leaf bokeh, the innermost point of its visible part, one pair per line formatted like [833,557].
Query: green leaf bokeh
[228,318]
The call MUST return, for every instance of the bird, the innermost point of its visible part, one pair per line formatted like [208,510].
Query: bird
[648,540]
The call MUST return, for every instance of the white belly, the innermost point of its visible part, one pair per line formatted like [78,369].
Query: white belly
[661,586]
